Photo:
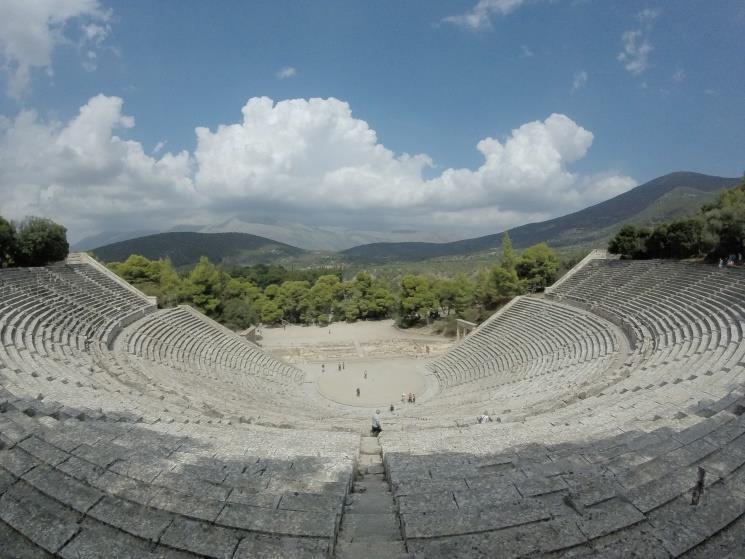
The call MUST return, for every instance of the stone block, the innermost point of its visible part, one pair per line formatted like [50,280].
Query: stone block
[13,544]
[144,522]
[96,540]
[281,547]
[64,488]
[42,520]
[451,523]
[292,523]
[201,538]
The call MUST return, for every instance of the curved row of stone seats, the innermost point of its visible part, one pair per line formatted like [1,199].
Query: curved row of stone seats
[531,334]
[74,306]
[182,336]
[199,367]
[619,493]
[530,353]
[96,489]
[54,348]
[651,466]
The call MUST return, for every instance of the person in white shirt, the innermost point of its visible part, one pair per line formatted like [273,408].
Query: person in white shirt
[484,418]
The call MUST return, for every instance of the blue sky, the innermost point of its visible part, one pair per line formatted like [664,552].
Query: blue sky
[659,86]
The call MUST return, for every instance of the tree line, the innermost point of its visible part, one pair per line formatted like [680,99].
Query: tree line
[35,241]
[241,297]
[717,231]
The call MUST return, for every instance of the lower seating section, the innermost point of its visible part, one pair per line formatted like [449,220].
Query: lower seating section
[652,465]
[71,488]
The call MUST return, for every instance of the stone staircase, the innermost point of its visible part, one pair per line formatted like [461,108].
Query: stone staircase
[370,526]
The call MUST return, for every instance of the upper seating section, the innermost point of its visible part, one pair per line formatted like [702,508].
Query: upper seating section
[75,298]
[661,303]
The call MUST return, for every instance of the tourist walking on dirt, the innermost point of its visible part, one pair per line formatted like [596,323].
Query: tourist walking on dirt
[413,398]
[376,428]
[484,418]
[403,397]
[358,392]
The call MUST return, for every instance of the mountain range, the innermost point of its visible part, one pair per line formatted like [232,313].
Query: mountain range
[669,197]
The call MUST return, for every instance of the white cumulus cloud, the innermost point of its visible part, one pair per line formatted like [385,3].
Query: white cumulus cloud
[636,44]
[286,72]
[84,175]
[579,81]
[310,158]
[30,29]
[480,16]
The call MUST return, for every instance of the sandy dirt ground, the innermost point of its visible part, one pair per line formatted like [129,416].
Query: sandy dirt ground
[363,331]
[387,378]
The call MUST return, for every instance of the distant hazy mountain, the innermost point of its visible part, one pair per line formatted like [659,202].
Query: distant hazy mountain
[669,197]
[186,248]
[106,238]
[312,237]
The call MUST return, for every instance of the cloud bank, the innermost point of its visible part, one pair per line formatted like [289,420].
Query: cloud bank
[31,29]
[306,158]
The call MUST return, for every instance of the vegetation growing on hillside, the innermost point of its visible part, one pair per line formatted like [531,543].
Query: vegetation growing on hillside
[35,241]
[272,294]
[716,232]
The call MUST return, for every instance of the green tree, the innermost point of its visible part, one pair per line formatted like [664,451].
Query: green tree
[454,294]
[538,266]
[41,241]
[418,300]
[509,260]
[8,243]
[292,298]
[203,288]
[324,298]
[497,286]
[629,242]
[271,313]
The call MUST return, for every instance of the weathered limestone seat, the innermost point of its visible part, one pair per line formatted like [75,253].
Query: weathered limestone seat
[618,407]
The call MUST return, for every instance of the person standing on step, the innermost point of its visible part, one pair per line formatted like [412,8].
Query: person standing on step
[376,428]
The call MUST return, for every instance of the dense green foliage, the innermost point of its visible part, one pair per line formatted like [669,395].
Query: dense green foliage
[35,241]
[7,243]
[273,294]
[716,232]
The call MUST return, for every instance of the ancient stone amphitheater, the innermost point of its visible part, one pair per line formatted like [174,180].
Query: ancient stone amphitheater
[617,402]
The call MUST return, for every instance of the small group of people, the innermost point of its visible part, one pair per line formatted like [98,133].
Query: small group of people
[484,418]
[342,366]
[731,260]
[410,398]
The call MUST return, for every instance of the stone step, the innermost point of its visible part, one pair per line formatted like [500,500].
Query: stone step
[370,503]
[378,527]
[369,445]
[371,550]
[372,484]
[375,469]
[369,459]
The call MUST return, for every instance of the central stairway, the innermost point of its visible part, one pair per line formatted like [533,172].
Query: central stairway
[370,526]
